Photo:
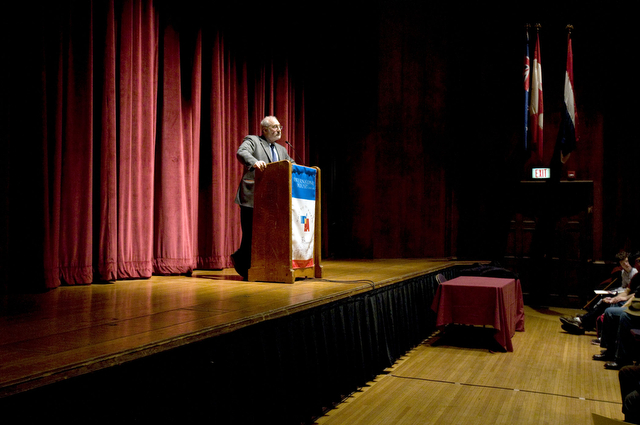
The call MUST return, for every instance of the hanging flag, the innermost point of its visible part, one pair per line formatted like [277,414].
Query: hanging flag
[568,132]
[536,106]
[526,94]
[303,215]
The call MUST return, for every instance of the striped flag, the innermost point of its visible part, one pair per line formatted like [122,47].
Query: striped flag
[526,94]
[568,132]
[536,106]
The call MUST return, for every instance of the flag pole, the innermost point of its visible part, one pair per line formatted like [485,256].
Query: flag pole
[527,79]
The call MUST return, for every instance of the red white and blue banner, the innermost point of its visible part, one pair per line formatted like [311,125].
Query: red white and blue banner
[568,132]
[303,215]
[536,109]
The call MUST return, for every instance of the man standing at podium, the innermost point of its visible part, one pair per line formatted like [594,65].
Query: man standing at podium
[255,152]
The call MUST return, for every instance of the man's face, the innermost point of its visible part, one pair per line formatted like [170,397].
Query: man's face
[625,264]
[273,131]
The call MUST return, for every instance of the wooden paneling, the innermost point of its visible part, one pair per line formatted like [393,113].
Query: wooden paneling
[550,241]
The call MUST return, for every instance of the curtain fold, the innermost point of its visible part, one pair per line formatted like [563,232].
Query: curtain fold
[143,110]
[69,151]
[226,118]
[177,155]
[106,188]
[137,103]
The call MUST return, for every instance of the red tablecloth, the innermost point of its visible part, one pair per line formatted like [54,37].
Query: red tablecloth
[473,300]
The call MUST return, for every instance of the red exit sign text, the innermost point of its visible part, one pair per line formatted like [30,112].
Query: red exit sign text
[540,173]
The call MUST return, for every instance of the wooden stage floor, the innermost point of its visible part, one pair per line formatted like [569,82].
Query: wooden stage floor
[70,331]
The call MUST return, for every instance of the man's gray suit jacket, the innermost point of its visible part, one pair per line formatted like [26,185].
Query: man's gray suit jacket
[252,150]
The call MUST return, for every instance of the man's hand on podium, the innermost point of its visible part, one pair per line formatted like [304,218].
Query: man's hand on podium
[260,165]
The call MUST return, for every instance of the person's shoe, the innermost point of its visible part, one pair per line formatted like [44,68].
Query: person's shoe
[614,365]
[573,329]
[596,341]
[571,321]
[244,272]
[241,269]
[604,356]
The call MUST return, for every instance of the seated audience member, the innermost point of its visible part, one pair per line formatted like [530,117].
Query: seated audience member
[611,321]
[629,377]
[628,319]
[587,322]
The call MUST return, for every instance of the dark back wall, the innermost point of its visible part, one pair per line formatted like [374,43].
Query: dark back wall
[416,114]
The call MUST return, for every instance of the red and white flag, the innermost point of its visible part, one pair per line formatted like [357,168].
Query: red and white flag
[536,107]
[568,133]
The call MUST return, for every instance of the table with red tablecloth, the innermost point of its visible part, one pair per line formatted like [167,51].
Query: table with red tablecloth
[476,300]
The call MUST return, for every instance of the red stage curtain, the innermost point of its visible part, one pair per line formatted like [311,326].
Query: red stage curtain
[136,106]
[143,113]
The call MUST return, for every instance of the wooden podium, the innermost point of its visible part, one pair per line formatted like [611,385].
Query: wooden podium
[272,256]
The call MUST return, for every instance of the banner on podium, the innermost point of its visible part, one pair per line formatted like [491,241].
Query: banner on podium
[303,208]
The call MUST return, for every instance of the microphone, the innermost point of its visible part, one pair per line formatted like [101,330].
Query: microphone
[294,150]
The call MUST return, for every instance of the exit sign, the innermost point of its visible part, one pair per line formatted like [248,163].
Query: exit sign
[540,173]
